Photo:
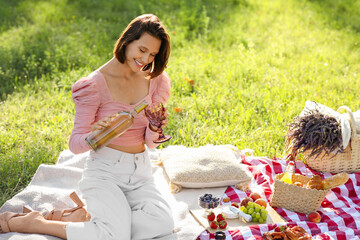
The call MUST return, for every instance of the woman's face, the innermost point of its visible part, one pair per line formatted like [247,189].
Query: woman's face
[142,51]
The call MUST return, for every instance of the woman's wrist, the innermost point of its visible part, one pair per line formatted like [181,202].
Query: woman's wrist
[152,128]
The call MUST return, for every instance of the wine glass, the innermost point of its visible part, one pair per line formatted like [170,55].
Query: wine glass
[155,113]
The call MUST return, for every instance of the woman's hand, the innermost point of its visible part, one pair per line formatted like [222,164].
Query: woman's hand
[102,123]
[163,122]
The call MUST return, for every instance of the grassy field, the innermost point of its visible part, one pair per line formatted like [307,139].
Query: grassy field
[240,69]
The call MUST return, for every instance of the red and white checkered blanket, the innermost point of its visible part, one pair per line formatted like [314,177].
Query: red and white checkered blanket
[340,210]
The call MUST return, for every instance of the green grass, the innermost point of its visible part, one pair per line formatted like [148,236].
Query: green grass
[254,64]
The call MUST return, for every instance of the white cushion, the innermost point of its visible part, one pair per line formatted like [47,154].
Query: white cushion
[206,166]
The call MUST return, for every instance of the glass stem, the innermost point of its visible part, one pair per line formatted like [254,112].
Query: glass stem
[161,134]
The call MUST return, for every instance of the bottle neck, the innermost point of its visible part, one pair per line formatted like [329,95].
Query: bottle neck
[138,108]
[290,167]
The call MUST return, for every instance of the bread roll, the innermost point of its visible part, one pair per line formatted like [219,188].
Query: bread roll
[335,181]
[315,183]
[275,236]
[297,233]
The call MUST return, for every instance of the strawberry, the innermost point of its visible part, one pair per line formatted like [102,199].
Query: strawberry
[220,217]
[222,224]
[211,216]
[235,204]
[280,229]
[213,224]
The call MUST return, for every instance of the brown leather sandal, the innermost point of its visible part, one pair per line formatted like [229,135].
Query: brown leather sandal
[27,209]
[4,220]
[58,214]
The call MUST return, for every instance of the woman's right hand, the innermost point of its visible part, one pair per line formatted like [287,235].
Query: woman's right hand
[102,123]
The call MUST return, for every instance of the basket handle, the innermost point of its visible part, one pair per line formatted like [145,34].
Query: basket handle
[352,119]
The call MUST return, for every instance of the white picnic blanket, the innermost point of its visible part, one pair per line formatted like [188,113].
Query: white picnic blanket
[52,184]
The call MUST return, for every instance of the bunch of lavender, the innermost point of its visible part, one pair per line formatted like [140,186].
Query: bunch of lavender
[316,132]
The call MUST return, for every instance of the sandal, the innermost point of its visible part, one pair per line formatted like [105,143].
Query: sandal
[4,220]
[57,214]
[27,209]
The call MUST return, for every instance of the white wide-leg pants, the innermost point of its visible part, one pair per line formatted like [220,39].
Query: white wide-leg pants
[122,199]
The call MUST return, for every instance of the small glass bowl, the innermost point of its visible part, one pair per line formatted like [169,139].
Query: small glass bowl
[209,205]
[207,201]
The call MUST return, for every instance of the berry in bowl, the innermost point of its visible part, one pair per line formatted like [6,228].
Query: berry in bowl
[208,201]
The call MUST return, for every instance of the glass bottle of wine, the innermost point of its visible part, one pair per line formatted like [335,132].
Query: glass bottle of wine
[290,170]
[118,126]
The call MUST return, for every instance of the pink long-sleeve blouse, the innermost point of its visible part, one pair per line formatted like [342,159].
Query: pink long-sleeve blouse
[93,102]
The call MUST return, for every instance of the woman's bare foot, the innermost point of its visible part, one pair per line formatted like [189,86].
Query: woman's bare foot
[34,222]
[28,223]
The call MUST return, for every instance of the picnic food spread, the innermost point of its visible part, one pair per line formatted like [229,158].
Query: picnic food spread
[335,211]
[315,134]
[251,210]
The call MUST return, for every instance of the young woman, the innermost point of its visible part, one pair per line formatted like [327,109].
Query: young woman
[117,184]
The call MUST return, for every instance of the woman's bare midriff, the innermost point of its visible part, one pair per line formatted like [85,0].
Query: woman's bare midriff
[128,149]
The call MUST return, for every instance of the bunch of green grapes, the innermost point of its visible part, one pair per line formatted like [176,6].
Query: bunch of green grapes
[257,212]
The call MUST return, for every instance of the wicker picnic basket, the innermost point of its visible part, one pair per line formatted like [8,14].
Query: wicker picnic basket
[349,161]
[295,198]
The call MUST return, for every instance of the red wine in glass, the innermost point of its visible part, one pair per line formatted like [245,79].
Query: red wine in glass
[155,113]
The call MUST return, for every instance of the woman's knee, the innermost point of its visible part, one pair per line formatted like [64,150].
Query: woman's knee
[165,220]
[154,218]
[109,209]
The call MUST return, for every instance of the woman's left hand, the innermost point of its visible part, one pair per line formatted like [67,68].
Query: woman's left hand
[163,122]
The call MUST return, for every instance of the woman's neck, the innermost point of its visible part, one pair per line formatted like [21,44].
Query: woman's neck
[117,69]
